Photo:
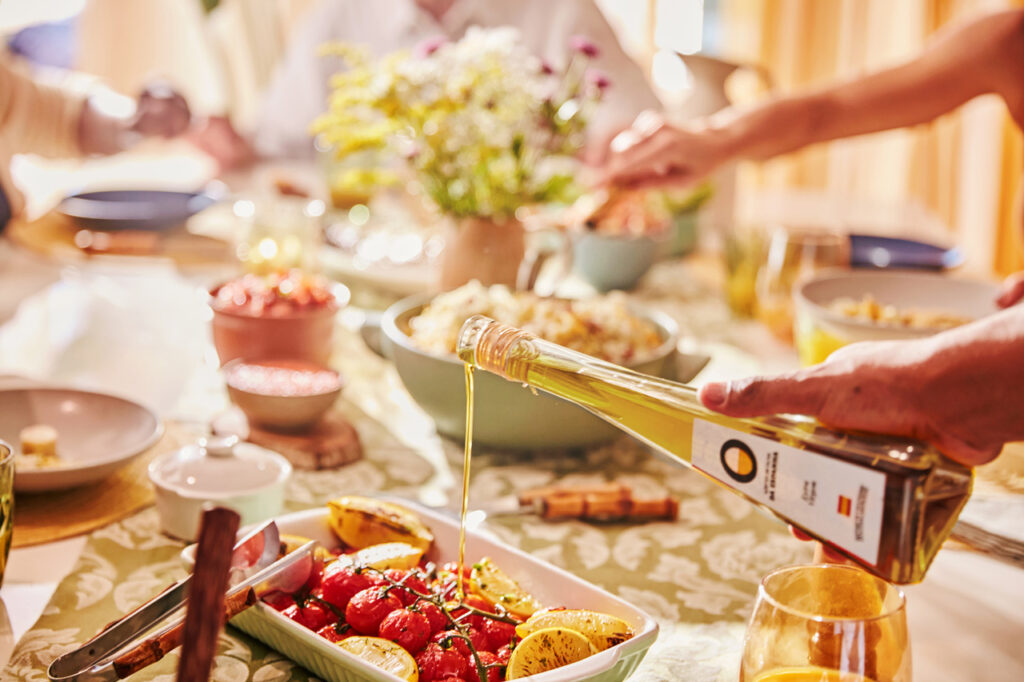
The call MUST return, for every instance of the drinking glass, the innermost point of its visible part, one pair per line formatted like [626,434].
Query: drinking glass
[826,623]
[793,255]
[278,233]
[6,503]
[744,254]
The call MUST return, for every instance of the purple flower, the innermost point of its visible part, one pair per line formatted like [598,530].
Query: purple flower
[584,46]
[598,79]
[429,46]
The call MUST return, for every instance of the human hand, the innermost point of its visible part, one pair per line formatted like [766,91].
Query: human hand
[217,137]
[960,390]
[160,111]
[1012,290]
[655,153]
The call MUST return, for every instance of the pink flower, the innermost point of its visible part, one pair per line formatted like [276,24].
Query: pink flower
[598,79]
[584,46]
[429,46]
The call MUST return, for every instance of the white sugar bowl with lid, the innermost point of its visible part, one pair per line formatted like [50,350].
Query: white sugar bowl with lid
[220,471]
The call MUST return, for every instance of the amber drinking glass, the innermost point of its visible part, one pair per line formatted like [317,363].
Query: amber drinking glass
[794,254]
[826,623]
[6,502]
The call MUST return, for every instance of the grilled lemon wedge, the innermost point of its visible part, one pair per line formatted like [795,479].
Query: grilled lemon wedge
[547,649]
[494,585]
[363,521]
[384,654]
[602,630]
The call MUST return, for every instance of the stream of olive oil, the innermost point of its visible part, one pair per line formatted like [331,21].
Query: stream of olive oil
[467,455]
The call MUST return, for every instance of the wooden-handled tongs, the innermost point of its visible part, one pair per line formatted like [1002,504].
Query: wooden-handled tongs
[116,652]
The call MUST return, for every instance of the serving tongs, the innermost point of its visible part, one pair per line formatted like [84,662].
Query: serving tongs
[114,653]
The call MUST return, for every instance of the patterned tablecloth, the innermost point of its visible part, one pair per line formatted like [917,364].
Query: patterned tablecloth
[696,576]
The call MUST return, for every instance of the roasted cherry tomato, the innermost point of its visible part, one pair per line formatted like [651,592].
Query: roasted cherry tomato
[438,664]
[367,609]
[504,653]
[410,579]
[433,612]
[494,668]
[341,582]
[450,638]
[312,614]
[405,627]
[335,632]
[499,634]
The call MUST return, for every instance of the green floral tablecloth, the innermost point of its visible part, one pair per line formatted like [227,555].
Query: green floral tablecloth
[697,576]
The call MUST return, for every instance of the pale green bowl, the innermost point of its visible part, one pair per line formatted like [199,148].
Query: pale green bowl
[507,415]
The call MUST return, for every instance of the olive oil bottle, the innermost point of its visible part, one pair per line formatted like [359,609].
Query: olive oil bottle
[886,503]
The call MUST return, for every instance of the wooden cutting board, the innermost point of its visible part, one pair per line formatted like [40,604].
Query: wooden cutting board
[331,443]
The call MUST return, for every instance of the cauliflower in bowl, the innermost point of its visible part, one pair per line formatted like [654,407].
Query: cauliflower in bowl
[603,326]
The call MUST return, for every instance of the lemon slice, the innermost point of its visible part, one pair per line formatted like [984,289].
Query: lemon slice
[400,555]
[363,521]
[494,585]
[383,654]
[602,630]
[547,649]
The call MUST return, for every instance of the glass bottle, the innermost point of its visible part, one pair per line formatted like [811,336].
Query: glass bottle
[886,503]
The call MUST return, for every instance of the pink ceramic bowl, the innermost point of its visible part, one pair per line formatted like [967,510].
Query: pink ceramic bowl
[282,394]
[301,335]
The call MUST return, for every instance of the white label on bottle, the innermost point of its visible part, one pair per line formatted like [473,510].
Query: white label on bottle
[835,500]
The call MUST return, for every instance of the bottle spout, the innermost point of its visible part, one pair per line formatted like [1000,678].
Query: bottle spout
[469,338]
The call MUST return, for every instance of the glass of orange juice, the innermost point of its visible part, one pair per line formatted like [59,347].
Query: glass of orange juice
[826,623]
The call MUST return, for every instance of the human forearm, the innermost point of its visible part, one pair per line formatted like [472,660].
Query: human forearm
[962,390]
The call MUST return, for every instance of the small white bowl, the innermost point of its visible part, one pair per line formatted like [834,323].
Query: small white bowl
[819,330]
[219,471]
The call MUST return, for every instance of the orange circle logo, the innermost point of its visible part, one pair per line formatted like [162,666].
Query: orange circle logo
[738,461]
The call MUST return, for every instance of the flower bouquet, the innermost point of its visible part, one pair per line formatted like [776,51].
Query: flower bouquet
[486,127]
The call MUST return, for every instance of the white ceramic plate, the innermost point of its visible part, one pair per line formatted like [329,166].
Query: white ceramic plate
[552,586]
[97,433]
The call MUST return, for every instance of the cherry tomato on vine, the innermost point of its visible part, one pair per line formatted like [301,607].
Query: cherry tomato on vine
[407,628]
[494,674]
[341,582]
[311,615]
[499,634]
[367,609]
[433,612]
[335,632]
[438,664]
[504,653]
[451,639]
[410,579]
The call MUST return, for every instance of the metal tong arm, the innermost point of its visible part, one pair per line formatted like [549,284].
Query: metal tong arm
[75,665]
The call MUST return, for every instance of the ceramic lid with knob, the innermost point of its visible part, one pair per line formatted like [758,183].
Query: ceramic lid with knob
[215,467]
[223,471]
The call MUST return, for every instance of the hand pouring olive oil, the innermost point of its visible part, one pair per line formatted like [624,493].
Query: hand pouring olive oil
[884,502]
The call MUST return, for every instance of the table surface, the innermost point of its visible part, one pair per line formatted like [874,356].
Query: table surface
[142,332]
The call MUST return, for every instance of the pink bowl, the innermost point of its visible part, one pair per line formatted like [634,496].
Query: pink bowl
[302,335]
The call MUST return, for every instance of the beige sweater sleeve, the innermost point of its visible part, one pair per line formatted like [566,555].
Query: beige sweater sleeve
[36,118]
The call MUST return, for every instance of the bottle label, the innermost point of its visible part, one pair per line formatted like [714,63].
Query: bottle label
[830,498]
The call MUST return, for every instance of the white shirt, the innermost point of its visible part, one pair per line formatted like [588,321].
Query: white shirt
[298,92]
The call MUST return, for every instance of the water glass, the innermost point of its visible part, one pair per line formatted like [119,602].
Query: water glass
[6,503]
[826,623]
[793,255]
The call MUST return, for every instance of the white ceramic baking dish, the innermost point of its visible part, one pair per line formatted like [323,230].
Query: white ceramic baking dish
[551,585]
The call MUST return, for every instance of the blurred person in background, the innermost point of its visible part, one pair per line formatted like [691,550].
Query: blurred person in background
[42,119]
[299,89]
[963,389]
